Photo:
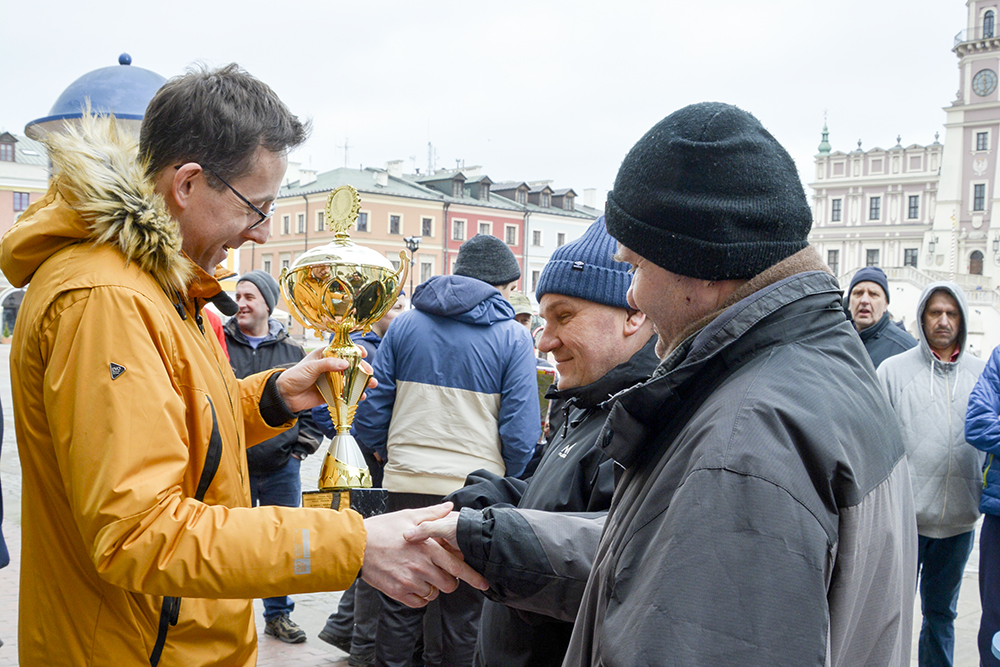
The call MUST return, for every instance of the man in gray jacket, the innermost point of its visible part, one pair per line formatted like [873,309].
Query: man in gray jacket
[761,518]
[928,387]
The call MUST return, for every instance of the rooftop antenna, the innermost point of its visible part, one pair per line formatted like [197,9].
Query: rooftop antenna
[347,147]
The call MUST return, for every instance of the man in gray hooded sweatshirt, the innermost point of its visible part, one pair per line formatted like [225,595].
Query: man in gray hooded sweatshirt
[928,387]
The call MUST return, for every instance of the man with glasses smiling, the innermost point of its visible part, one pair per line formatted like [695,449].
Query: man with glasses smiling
[139,543]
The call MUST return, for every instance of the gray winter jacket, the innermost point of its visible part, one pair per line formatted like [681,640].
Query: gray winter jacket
[930,398]
[761,518]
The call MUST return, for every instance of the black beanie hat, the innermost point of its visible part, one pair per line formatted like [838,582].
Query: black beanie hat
[708,193]
[267,285]
[870,274]
[487,258]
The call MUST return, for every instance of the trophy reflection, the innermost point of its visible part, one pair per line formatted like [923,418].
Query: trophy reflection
[342,287]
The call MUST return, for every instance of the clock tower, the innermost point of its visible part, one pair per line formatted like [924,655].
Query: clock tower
[965,235]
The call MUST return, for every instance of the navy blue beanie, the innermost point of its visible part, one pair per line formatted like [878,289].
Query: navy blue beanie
[585,269]
[870,274]
[708,193]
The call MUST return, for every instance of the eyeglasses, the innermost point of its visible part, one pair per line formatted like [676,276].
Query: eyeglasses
[263,216]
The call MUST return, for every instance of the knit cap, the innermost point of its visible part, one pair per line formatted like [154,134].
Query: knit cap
[267,285]
[585,269]
[871,274]
[487,258]
[708,193]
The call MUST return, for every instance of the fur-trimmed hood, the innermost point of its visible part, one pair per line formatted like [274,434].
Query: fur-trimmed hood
[99,193]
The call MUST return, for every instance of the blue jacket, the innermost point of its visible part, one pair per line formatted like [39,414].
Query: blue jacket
[457,390]
[982,430]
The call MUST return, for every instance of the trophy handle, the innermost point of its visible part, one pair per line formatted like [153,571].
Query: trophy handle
[401,273]
[286,291]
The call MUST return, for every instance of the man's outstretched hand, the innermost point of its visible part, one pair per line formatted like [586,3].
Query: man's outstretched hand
[444,530]
[413,571]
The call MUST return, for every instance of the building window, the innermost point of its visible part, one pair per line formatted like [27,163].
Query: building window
[301,220]
[395,264]
[835,209]
[982,141]
[426,271]
[363,221]
[871,258]
[427,226]
[484,191]
[522,197]
[458,230]
[320,220]
[21,201]
[285,261]
[536,237]
[393,224]
[6,152]
[568,203]
[510,234]
[988,21]
[913,210]
[979,197]
[546,200]
[560,239]
[286,224]
[976,263]
[457,188]
[910,257]
[535,275]
[484,228]
[874,209]
[267,264]
[833,261]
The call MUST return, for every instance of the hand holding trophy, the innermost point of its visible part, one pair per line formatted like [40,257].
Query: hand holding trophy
[342,287]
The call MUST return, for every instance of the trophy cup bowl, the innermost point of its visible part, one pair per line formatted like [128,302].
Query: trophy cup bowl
[342,287]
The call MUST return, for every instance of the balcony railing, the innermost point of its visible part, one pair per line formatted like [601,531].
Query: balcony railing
[975,34]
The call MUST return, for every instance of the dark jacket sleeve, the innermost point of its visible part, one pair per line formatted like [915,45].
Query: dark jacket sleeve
[483,488]
[309,436]
[535,561]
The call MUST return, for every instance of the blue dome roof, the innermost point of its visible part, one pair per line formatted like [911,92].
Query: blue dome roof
[124,91]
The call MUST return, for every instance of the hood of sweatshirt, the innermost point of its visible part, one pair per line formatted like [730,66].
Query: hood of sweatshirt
[464,299]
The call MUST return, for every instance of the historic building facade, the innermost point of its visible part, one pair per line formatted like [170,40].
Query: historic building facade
[924,213]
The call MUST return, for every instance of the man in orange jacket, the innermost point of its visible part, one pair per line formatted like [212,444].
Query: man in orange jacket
[139,542]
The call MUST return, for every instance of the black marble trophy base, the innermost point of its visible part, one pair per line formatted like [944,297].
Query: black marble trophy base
[366,502]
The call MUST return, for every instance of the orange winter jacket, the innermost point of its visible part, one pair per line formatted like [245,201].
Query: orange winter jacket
[122,400]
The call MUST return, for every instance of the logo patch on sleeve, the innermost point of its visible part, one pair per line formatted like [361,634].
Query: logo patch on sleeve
[116,370]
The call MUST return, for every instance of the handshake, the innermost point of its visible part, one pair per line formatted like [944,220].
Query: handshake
[413,556]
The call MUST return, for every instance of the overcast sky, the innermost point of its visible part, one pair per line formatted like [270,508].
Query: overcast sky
[529,90]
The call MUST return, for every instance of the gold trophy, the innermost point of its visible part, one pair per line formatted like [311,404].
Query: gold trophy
[342,287]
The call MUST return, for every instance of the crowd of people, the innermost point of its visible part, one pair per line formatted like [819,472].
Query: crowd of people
[739,463]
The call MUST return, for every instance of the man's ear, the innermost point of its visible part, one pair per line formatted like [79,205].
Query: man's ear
[634,319]
[179,185]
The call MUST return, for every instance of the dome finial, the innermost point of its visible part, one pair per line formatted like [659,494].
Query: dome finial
[124,59]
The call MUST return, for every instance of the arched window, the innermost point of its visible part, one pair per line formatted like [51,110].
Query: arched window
[989,19]
[976,263]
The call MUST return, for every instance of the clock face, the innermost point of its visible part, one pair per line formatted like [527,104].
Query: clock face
[984,82]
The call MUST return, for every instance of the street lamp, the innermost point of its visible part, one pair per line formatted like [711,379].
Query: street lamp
[931,244]
[412,244]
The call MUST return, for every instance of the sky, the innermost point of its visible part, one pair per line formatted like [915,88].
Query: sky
[529,90]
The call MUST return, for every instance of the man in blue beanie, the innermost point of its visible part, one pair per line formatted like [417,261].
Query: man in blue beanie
[868,304]
[760,517]
[601,345]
